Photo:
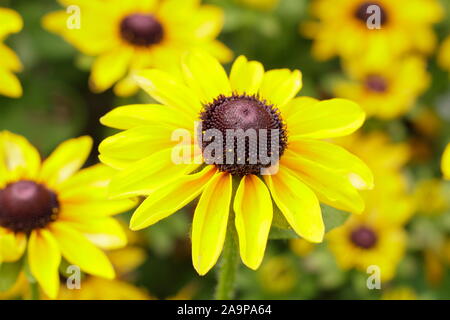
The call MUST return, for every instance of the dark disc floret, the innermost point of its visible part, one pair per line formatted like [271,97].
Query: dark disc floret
[26,205]
[245,112]
[141,30]
[362,14]
[364,237]
[376,83]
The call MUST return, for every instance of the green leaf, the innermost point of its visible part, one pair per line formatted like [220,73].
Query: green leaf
[333,218]
[8,274]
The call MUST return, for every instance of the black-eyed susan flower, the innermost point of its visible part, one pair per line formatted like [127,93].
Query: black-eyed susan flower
[445,163]
[10,86]
[126,36]
[151,153]
[368,239]
[357,29]
[385,91]
[50,210]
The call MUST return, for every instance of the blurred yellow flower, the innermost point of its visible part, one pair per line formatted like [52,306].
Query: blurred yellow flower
[127,36]
[445,163]
[278,275]
[368,239]
[249,98]
[260,4]
[50,210]
[432,197]
[301,247]
[399,293]
[385,91]
[444,54]
[11,22]
[348,28]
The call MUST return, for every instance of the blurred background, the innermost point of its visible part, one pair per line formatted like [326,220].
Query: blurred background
[406,225]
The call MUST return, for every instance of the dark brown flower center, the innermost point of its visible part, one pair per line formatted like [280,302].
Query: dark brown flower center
[376,83]
[141,30]
[26,205]
[364,237]
[250,131]
[363,13]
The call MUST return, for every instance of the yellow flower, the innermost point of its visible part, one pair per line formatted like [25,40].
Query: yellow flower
[444,54]
[53,211]
[348,28]
[301,247]
[11,22]
[147,153]
[368,239]
[260,4]
[445,164]
[131,35]
[278,275]
[432,197]
[400,293]
[385,91]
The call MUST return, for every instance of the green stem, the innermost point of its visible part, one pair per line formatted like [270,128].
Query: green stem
[227,273]
[34,290]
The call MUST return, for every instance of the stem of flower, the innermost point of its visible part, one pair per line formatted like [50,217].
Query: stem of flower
[230,260]
[34,290]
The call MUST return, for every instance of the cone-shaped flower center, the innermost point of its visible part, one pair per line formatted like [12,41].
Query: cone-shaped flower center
[141,30]
[250,131]
[363,14]
[26,205]
[364,237]
[376,83]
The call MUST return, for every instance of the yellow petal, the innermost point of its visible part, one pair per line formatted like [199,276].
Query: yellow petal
[169,91]
[10,85]
[206,76]
[78,250]
[20,159]
[12,246]
[138,143]
[331,188]
[109,68]
[167,200]
[295,105]
[147,175]
[126,87]
[336,158]
[254,212]
[446,162]
[11,22]
[326,119]
[131,116]
[210,223]
[9,59]
[280,86]
[67,159]
[246,77]
[298,203]
[44,258]
[106,233]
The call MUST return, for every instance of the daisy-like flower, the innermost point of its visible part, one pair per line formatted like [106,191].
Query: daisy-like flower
[130,35]
[368,239]
[52,211]
[249,99]
[353,29]
[445,164]
[385,92]
[10,86]
[444,54]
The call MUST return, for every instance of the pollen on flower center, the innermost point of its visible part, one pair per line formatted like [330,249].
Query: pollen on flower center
[26,205]
[364,237]
[376,83]
[141,30]
[251,130]
[362,14]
